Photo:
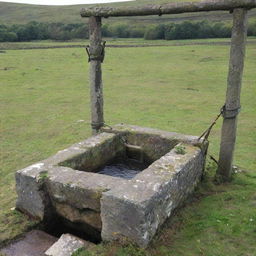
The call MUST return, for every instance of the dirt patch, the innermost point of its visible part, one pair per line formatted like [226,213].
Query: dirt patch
[7,68]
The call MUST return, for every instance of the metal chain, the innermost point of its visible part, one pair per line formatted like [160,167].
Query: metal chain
[207,132]
[108,126]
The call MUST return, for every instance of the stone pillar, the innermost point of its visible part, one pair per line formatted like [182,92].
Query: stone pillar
[96,55]
[232,106]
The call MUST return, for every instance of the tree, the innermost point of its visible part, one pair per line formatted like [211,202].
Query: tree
[155,32]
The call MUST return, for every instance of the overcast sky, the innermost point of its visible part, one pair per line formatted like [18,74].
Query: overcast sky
[63,2]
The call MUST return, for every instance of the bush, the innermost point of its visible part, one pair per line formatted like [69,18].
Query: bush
[191,30]
[11,37]
[155,32]
[137,32]
[220,30]
[252,29]
[120,30]
[7,36]
[59,31]
[106,31]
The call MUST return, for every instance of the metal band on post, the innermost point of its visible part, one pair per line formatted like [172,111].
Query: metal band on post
[100,57]
[97,126]
[230,113]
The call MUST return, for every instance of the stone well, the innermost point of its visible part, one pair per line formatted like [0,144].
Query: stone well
[69,185]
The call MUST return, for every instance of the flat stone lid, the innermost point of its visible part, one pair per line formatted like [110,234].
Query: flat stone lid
[67,245]
[34,243]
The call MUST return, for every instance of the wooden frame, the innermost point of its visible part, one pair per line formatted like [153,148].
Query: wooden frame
[237,55]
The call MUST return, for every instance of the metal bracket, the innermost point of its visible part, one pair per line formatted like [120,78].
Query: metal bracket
[230,113]
[99,57]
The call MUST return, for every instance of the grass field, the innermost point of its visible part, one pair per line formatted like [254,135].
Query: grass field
[45,92]
[116,42]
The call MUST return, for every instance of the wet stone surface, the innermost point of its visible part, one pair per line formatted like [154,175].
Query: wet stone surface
[126,169]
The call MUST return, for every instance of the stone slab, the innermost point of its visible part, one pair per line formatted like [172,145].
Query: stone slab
[35,243]
[29,187]
[154,143]
[136,130]
[67,245]
[81,190]
[87,155]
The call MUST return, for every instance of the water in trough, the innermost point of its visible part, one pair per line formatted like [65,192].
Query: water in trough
[125,169]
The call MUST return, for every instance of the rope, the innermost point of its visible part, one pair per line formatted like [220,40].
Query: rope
[207,132]
[214,159]
[100,125]
[108,126]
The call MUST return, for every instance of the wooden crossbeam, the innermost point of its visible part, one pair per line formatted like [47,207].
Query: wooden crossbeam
[171,8]
[237,55]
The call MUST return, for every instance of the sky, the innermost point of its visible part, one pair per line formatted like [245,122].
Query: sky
[62,2]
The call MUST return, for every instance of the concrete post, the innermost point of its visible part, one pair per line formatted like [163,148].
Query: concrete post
[232,107]
[96,57]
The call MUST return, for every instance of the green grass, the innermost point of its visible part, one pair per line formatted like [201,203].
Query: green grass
[13,13]
[115,41]
[45,92]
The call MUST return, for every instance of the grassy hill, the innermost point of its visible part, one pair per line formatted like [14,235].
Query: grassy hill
[12,13]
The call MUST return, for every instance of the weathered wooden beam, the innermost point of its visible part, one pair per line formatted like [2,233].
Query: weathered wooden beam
[171,8]
[232,107]
[95,58]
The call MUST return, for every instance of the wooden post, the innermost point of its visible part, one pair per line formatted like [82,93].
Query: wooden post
[95,58]
[232,107]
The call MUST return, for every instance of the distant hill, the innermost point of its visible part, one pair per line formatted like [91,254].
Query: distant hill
[12,13]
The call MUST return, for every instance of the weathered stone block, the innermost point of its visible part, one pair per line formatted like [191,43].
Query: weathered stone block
[93,152]
[69,185]
[66,246]
[79,189]
[36,183]
[138,208]
[32,199]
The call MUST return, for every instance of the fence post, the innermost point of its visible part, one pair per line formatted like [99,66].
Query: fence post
[96,55]
[232,105]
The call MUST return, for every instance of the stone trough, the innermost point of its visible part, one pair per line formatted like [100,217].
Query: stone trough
[76,184]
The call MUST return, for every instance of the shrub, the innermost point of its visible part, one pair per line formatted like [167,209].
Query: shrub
[173,31]
[155,32]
